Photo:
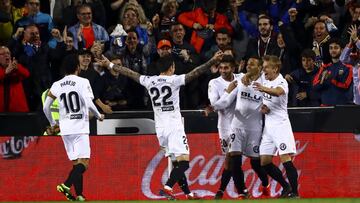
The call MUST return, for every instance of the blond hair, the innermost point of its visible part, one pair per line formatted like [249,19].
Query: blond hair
[274,62]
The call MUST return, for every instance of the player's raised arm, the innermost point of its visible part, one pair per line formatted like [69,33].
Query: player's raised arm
[202,68]
[122,69]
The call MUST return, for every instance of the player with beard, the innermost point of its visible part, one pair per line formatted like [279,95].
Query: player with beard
[164,92]
[246,126]
[216,89]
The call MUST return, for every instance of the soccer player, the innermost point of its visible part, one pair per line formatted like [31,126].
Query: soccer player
[246,125]
[164,92]
[216,89]
[277,136]
[75,99]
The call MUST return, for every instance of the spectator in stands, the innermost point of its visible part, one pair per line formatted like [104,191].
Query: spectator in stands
[300,81]
[334,79]
[42,20]
[223,41]
[35,56]
[135,56]
[68,14]
[351,55]
[162,23]
[64,47]
[354,20]
[111,89]
[7,25]
[320,43]
[290,49]
[204,22]
[86,30]
[12,73]
[266,42]
[132,17]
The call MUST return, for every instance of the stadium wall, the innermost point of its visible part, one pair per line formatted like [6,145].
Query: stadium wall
[126,164]
[133,168]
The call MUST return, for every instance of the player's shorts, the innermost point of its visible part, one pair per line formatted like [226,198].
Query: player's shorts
[173,140]
[77,146]
[278,139]
[224,137]
[245,141]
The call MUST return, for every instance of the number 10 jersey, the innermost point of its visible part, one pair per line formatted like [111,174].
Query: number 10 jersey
[164,94]
[71,92]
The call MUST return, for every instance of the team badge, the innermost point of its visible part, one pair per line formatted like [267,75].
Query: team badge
[282,146]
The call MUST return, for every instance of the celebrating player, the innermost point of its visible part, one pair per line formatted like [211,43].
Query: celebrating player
[216,89]
[164,92]
[75,97]
[246,125]
[277,136]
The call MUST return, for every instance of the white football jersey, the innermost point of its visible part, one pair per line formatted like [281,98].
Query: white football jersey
[164,94]
[277,105]
[248,104]
[71,92]
[216,89]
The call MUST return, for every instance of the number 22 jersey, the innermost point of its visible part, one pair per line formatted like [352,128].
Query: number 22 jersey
[71,92]
[164,94]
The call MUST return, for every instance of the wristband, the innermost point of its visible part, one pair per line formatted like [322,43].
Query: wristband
[111,65]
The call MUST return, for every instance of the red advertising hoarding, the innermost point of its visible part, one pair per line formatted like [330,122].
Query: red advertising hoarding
[133,168]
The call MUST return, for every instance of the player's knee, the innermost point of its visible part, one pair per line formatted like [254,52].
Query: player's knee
[184,165]
[84,162]
[265,160]
[231,154]
[285,158]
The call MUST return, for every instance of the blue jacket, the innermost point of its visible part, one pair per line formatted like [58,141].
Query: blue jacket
[99,32]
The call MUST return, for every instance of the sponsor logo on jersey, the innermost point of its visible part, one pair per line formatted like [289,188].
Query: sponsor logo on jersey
[251,97]
[76,116]
[167,108]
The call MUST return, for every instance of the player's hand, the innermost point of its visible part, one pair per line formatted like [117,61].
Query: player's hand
[107,109]
[218,56]
[101,118]
[259,87]
[264,109]
[208,109]
[245,80]
[53,130]
[231,86]
[103,61]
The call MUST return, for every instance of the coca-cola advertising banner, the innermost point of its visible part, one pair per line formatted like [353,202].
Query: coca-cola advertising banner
[133,168]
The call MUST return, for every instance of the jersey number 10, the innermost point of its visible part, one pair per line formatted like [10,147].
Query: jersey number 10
[69,100]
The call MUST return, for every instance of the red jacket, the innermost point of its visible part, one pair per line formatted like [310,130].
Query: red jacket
[17,99]
[198,16]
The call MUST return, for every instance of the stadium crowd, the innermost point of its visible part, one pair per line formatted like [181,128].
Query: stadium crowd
[316,41]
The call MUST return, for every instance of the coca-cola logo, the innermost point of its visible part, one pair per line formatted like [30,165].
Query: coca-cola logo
[209,175]
[13,147]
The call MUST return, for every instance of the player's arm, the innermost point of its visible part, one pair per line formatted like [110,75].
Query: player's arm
[226,99]
[93,108]
[196,72]
[122,70]
[277,91]
[48,102]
